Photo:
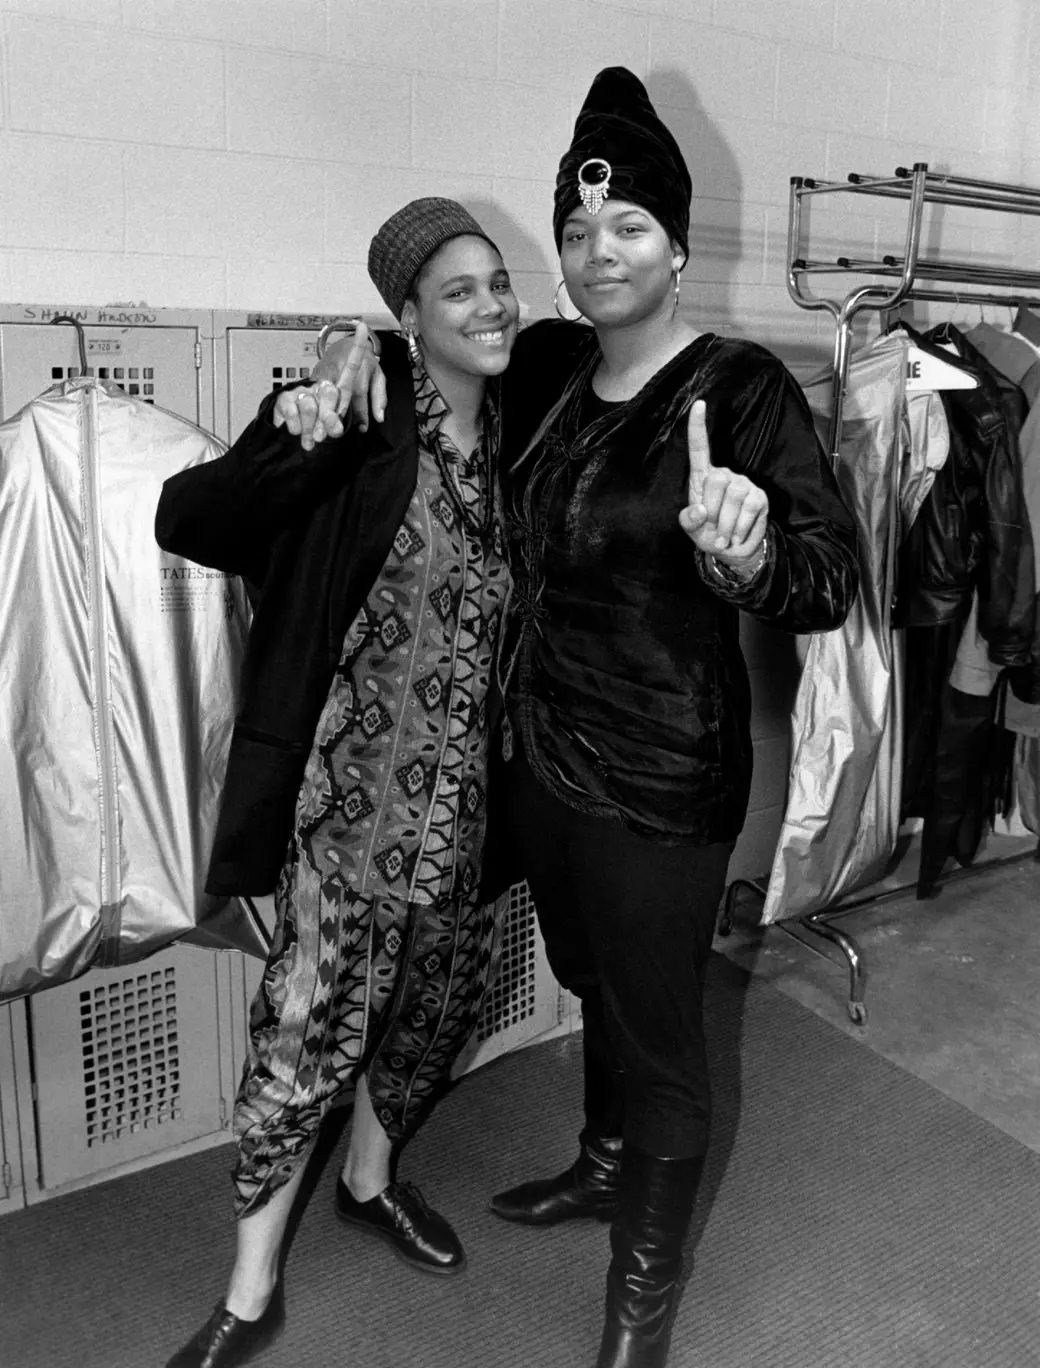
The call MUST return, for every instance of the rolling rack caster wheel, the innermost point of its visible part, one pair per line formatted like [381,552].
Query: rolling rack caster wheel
[857,974]
[724,926]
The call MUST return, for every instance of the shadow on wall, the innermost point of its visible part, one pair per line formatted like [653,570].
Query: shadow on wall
[716,235]
[524,254]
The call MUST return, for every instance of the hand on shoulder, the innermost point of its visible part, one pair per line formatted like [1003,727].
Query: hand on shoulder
[348,382]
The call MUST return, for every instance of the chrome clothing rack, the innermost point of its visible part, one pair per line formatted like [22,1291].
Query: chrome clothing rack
[918,186]
[986,285]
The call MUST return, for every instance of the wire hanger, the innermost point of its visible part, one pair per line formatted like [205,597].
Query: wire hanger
[81,337]
[1027,323]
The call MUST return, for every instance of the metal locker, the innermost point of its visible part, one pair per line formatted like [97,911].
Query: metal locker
[525,1002]
[156,355]
[129,1063]
[240,978]
[14,1100]
[126,1067]
[257,353]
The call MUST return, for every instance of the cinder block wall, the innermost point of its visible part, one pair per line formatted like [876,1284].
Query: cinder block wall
[239,153]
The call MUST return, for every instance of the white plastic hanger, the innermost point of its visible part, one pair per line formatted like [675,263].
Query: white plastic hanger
[927,372]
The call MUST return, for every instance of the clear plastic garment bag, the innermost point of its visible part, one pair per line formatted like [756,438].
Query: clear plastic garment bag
[843,808]
[119,668]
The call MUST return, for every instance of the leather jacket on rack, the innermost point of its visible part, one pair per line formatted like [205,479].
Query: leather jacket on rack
[973,530]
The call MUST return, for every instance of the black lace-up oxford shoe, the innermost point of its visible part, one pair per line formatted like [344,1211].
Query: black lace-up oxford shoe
[225,1341]
[401,1216]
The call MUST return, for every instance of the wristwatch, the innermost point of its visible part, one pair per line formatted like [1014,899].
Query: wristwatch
[730,577]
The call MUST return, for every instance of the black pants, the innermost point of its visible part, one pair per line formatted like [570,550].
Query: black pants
[628,926]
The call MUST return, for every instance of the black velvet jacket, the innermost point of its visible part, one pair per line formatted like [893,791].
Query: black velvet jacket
[309,532]
[621,657]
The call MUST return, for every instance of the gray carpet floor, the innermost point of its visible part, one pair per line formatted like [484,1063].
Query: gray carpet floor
[851,1217]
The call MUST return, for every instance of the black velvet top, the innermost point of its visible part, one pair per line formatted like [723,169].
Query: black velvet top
[621,663]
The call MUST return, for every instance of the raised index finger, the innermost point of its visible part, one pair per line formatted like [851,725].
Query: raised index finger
[359,350]
[700,451]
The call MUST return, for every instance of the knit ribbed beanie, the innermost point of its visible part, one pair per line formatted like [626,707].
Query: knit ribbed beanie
[407,240]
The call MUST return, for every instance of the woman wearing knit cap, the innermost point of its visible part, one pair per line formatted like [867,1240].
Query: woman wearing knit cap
[357,775]
[664,480]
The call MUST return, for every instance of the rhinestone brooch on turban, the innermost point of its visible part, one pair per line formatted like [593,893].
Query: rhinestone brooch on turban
[594,183]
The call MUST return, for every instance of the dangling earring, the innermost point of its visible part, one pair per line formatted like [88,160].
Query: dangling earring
[556,305]
[414,350]
[675,306]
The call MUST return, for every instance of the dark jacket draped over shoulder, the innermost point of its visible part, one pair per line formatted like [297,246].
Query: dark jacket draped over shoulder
[309,532]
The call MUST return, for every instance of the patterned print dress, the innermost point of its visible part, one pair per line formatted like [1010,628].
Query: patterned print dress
[382,952]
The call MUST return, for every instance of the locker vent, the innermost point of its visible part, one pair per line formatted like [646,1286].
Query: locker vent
[131,1060]
[284,376]
[136,380]
[512,997]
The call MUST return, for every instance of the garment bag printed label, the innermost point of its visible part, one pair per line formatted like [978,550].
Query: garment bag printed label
[185,588]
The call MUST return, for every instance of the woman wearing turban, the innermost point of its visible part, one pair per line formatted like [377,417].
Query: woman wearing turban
[672,479]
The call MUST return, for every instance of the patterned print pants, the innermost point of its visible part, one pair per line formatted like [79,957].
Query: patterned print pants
[354,984]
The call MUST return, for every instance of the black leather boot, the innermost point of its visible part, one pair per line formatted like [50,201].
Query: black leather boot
[589,1188]
[646,1240]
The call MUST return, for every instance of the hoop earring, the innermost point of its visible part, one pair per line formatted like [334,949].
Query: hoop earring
[414,350]
[556,304]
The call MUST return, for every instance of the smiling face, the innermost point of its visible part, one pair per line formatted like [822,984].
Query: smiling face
[619,264]
[463,309]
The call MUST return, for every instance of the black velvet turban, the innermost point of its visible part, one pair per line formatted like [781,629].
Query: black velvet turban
[618,125]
